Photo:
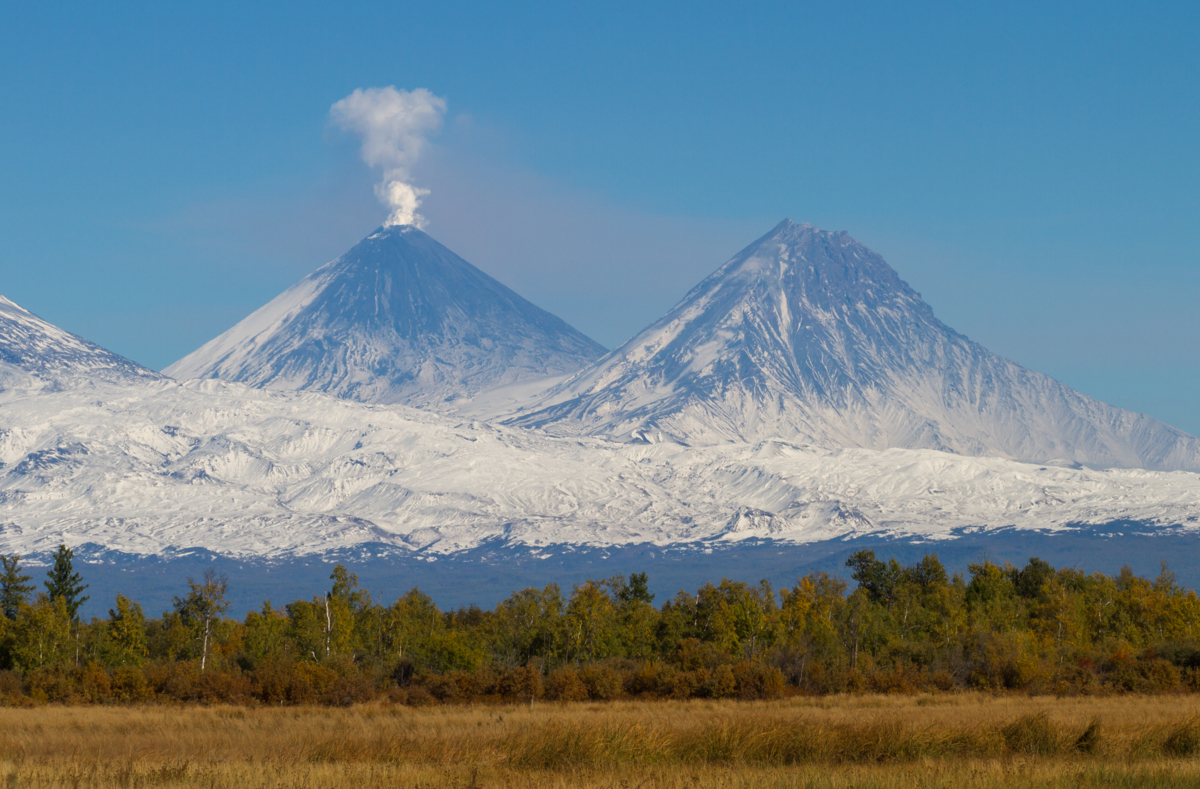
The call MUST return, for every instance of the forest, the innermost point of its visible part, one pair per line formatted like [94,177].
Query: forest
[900,629]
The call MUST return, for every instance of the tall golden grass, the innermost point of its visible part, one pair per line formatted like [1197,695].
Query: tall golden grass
[863,741]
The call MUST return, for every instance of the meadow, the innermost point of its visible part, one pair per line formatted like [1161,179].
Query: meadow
[928,740]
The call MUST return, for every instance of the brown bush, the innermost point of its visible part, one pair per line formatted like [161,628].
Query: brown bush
[310,681]
[224,687]
[129,685]
[1075,679]
[346,691]
[943,680]
[645,679]
[719,683]
[1154,675]
[417,696]
[481,682]
[520,684]
[901,679]
[177,681]
[50,683]
[11,685]
[834,680]
[677,684]
[564,684]
[95,683]
[273,681]
[603,683]
[758,681]
[436,685]
[471,685]
[694,654]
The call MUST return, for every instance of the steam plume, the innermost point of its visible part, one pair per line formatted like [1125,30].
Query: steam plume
[394,126]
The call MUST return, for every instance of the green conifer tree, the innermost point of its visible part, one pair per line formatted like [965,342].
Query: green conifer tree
[14,586]
[65,583]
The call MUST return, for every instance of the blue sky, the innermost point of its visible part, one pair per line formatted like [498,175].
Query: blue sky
[1032,169]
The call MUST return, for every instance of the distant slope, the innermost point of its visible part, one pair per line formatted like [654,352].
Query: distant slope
[247,472]
[34,353]
[808,336]
[397,319]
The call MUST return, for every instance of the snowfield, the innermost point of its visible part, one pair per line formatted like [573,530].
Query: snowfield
[248,472]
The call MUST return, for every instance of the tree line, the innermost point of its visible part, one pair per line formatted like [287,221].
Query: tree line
[1033,629]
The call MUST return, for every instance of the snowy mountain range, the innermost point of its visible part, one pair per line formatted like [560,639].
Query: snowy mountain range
[397,319]
[810,337]
[802,393]
[249,472]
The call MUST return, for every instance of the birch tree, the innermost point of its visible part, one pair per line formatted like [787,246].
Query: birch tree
[201,609]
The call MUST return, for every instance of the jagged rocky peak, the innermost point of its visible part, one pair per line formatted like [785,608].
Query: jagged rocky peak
[36,353]
[809,336]
[397,319]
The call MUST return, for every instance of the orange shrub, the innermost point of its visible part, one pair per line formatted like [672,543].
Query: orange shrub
[564,684]
[520,684]
[603,683]
[758,681]
[94,683]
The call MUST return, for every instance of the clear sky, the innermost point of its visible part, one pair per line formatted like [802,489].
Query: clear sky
[1033,169]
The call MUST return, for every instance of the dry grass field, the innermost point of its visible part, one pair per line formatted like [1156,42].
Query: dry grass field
[858,741]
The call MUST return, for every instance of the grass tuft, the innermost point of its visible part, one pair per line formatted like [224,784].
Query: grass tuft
[1183,740]
[1089,740]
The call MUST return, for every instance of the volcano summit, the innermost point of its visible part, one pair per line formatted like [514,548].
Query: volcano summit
[397,319]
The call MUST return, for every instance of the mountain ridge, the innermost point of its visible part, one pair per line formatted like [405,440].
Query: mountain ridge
[35,353]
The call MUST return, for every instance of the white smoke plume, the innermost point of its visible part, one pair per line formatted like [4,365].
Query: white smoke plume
[394,126]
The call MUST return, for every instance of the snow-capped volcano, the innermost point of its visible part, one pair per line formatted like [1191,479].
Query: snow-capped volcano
[809,336]
[39,355]
[397,319]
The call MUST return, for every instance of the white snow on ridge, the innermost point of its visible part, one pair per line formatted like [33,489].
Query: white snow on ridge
[37,355]
[247,472]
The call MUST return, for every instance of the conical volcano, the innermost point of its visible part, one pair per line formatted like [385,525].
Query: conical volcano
[36,353]
[397,319]
[808,336]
